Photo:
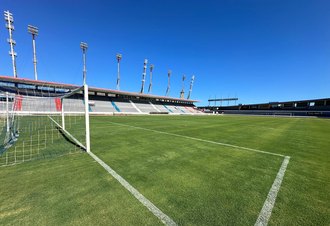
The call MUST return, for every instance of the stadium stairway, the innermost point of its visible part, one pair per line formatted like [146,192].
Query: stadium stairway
[115,106]
[168,108]
[126,107]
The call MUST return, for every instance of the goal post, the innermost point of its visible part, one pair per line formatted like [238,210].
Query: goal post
[8,123]
[87,127]
[84,88]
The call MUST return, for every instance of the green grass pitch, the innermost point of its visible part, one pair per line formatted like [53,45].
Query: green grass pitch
[192,181]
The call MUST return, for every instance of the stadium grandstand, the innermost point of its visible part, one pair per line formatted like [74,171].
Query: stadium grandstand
[312,107]
[101,101]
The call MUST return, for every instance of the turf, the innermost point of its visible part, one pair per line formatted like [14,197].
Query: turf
[193,182]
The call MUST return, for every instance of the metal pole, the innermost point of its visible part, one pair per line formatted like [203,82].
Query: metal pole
[10,20]
[182,91]
[144,75]
[7,111]
[34,32]
[168,82]
[191,86]
[34,57]
[84,47]
[62,113]
[150,85]
[118,56]
[84,69]
[118,75]
[88,147]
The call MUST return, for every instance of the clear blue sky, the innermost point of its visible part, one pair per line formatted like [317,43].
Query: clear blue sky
[257,50]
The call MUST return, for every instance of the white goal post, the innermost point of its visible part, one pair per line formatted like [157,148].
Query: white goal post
[84,88]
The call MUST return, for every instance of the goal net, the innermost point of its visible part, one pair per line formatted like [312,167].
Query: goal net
[43,125]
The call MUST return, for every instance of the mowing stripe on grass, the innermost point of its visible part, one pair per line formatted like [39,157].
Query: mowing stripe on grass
[152,208]
[267,208]
[202,140]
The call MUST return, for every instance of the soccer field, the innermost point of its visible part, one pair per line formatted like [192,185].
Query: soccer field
[197,170]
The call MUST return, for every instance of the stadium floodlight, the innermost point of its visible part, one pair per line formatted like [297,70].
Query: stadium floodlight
[84,46]
[191,86]
[168,82]
[10,20]
[34,32]
[118,56]
[182,91]
[144,74]
[150,85]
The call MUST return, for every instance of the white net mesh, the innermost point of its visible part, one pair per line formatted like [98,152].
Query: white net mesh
[31,126]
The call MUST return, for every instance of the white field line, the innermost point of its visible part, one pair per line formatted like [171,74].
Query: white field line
[267,208]
[202,140]
[152,208]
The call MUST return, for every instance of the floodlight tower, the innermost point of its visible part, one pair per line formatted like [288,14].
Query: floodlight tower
[191,86]
[10,20]
[150,85]
[84,47]
[144,74]
[34,32]
[118,56]
[182,91]
[168,82]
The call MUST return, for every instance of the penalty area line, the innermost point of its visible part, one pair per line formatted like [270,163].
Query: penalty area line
[202,140]
[151,207]
[269,203]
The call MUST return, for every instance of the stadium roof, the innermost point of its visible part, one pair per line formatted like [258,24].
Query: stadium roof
[91,89]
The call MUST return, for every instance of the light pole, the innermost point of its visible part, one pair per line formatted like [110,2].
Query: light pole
[168,82]
[34,31]
[118,56]
[144,74]
[150,85]
[10,20]
[182,91]
[84,47]
[191,86]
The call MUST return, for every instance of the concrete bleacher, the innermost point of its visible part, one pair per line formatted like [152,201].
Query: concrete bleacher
[173,109]
[101,106]
[126,107]
[161,108]
[182,109]
[73,105]
[97,106]
[34,97]
[146,107]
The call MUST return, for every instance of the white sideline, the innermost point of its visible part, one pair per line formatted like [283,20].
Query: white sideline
[202,140]
[152,208]
[264,214]
[267,208]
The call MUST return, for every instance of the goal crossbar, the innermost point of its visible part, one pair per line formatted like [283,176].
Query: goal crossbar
[72,92]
